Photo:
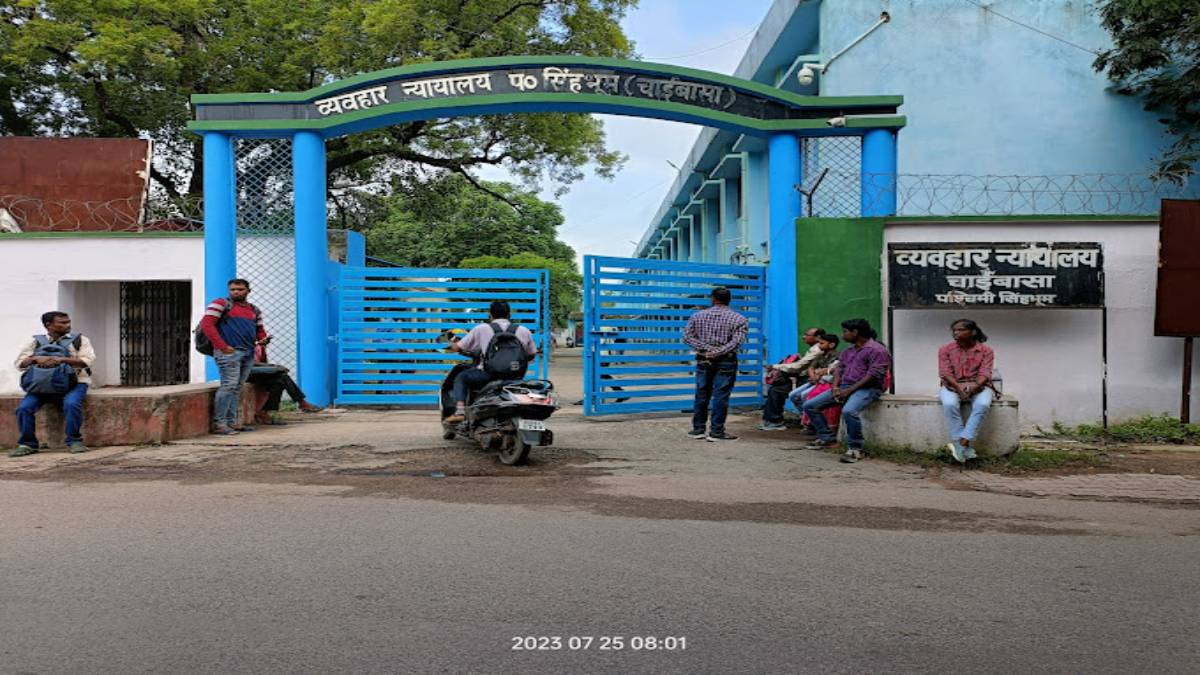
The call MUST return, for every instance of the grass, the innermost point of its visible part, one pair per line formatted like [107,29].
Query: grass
[1149,429]
[1026,459]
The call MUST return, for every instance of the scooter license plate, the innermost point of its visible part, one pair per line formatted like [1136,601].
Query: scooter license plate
[531,425]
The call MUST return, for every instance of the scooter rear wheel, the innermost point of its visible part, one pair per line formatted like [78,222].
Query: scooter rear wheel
[448,434]
[516,453]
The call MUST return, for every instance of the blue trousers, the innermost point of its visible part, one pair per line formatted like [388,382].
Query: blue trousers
[951,408]
[851,410]
[234,369]
[464,382]
[72,403]
[714,382]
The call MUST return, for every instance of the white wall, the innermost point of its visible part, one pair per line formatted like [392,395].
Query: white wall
[1050,358]
[43,274]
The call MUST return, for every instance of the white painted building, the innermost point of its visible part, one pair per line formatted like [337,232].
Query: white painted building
[1051,359]
[81,274]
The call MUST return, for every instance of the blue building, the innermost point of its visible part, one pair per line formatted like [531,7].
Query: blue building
[1005,115]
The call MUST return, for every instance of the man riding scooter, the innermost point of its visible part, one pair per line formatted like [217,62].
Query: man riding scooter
[477,342]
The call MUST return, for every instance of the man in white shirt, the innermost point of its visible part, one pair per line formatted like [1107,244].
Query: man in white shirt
[80,356]
[475,344]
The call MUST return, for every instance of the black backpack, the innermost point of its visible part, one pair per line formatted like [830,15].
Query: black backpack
[203,344]
[505,357]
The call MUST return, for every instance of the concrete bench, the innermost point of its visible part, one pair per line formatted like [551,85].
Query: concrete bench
[127,415]
[915,421]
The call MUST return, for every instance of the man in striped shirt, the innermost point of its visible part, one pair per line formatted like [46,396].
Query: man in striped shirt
[234,327]
[715,333]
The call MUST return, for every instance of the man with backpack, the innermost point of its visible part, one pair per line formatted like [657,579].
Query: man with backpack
[229,331]
[55,367]
[504,350]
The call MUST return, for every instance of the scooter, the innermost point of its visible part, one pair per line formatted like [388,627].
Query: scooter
[504,415]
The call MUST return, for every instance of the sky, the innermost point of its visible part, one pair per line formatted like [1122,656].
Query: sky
[608,217]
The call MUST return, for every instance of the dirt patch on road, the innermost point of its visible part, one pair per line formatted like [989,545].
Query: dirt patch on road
[211,463]
[554,478]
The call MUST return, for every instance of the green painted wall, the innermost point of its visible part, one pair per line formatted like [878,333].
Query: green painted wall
[838,274]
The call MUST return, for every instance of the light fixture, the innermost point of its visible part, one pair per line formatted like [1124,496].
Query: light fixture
[836,122]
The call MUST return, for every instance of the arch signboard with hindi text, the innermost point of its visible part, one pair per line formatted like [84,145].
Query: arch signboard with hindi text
[540,84]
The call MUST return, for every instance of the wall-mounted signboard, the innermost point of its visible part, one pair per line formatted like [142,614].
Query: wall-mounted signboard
[1010,275]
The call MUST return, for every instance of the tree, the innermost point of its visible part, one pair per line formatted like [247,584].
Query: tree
[69,67]
[1156,55]
[442,221]
[565,280]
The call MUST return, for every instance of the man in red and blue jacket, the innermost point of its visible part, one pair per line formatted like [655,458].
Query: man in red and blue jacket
[234,327]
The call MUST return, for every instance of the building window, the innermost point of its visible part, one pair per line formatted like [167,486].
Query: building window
[155,332]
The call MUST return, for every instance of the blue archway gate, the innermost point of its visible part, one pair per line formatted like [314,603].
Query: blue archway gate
[635,310]
[390,318]
[516,84]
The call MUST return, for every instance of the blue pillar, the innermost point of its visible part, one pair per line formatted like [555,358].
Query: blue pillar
[711,221]
[729,235]
[754,200]
[697,235]
[879,173]
[356,249]
[308,171]
[220,222]
[784,168]
[685,239]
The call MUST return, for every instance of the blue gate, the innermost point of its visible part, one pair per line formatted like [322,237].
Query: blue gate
[635,311]
[389,320]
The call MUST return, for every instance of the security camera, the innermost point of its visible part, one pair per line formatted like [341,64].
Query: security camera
[836,122]
[806,75]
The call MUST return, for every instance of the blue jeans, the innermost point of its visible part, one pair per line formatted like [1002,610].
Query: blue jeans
[798,394]
[234,368]
[714,382]
[72,403]
[952,409]
[851,411]
[464,382]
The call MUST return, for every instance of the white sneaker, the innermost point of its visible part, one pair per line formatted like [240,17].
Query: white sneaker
[956,452]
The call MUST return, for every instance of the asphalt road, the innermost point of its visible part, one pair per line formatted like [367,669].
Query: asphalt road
[158,576]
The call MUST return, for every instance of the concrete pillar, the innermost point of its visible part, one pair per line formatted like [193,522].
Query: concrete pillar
[697,238]
[784,165]
[220,222]
[313,345]
[710,222]
[729,236]
[755,199]
[879,173]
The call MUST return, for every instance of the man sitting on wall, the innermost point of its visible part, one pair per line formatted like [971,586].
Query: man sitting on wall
[55,368]
[858,381]
[272,380]
[781,380]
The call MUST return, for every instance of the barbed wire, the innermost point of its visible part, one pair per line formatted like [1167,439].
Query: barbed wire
[23,213]
[996,195]
[838,194]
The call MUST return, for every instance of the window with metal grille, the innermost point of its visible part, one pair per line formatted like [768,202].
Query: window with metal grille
[156,337]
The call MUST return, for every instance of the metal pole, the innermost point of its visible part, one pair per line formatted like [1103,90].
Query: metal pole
[1104,364]
[1185,414]
[891,345]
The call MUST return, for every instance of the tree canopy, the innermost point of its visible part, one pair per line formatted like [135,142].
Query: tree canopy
[127,68]
[1156,55]
[565,280]
[444,220]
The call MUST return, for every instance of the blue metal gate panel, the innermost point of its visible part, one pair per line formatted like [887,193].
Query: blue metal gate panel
[635,311]
[389,319]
